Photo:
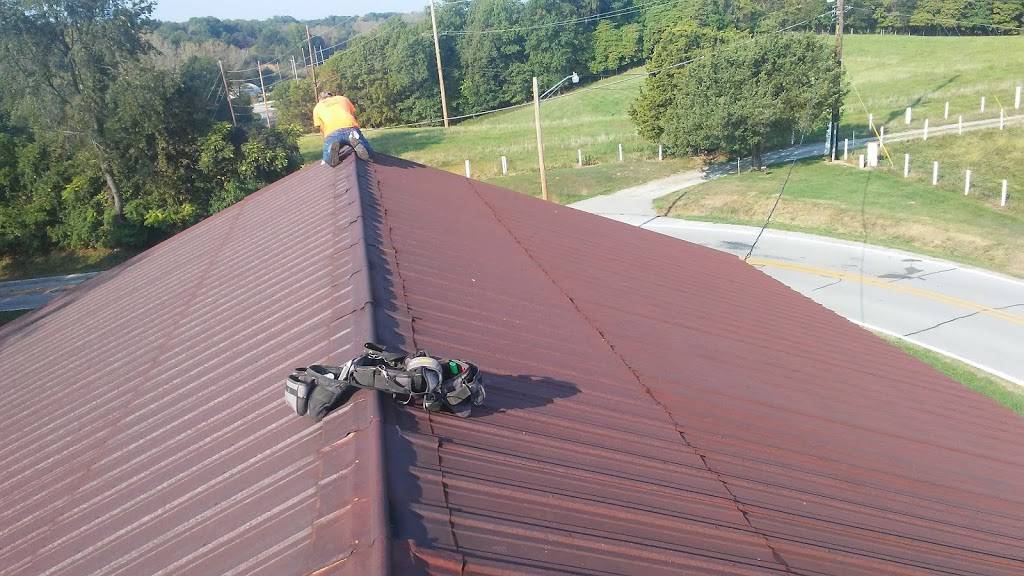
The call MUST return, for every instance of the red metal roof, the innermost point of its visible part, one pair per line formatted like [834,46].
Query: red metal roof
[655,407]
[145,432]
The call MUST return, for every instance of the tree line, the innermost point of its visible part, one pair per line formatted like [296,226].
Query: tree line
[491,49]
[105,142]
[114,128]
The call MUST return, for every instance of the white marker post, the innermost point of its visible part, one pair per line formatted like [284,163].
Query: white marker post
[1002,118]
[908,115]
[935,173]
[967,182]
[468,173]
[925,136]
[945,113]
[860,162]
[1016,99]
[579,158]
[620,152]
[504,165]
[661,153]
[881,135]
[906,165]
[846,148]
[982,103]
[1002,199]
[960,126]
[737,165]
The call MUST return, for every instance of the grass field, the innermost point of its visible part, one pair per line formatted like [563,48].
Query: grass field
[64,262]
[991,155]
[595,121]
[891,73]
[1006,393]
[827,199]
[8,315]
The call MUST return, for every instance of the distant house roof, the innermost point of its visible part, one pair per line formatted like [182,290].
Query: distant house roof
[654,407]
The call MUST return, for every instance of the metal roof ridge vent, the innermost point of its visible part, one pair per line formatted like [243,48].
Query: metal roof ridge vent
[378,546]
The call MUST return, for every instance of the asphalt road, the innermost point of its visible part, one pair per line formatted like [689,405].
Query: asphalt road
[33,293]
[972,315]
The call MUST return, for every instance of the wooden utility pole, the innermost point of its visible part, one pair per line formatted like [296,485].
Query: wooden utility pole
[295,74]
[227,93]
[312,68]
[540,141]
[833,141]
[440,73]
[266,109]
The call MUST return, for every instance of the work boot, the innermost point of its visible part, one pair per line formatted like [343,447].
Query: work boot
[357,145]
[333,156]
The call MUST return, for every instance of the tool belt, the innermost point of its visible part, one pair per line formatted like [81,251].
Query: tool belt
[439,384]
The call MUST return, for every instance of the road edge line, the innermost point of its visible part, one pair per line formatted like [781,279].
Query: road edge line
[983,368]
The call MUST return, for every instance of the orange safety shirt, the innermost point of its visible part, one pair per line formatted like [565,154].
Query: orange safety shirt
[334,113]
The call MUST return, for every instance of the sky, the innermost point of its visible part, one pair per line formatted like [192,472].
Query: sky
[181,10]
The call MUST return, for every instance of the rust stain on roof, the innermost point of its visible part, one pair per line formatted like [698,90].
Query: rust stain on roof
[654,407]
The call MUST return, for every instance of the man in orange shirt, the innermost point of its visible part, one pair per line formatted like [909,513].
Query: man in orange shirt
[335,116]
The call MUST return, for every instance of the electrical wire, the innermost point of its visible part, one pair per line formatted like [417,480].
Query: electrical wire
[577,20]
[778,198]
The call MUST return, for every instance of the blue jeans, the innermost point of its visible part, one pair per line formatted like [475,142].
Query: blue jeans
[342,136]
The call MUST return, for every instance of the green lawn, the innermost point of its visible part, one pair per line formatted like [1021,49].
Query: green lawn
[991,155]
[63,262]
[311,147]
[889,72]
[593,120]
[1006,393]
[903,213]
[8,315]
[894,72]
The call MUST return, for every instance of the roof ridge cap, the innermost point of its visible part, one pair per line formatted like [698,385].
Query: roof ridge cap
[378,534]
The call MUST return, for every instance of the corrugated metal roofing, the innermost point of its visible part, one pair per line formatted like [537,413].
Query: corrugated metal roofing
[656,407]
[144,430]
[653,407]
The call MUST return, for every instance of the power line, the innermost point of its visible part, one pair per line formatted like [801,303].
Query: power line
[577,20]
[777,200]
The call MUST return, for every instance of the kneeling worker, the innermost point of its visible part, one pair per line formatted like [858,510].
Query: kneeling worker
[335,116]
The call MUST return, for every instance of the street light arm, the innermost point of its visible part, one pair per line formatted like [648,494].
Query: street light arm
[574,77]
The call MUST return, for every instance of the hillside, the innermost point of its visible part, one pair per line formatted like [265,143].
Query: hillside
[888,73]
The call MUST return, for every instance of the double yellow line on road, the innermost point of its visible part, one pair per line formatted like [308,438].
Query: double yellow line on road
[891,286]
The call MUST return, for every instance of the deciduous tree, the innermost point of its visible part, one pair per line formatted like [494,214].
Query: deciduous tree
[742,95]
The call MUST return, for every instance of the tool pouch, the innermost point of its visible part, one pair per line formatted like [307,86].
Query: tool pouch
[297,388]
[329,392]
